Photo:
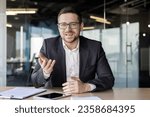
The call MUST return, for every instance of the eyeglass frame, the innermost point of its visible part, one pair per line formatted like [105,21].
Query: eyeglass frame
[68,24]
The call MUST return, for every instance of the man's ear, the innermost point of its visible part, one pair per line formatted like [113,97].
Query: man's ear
[81,26]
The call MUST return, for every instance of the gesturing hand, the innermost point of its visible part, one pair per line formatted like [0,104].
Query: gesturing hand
[75,85]
[46,64]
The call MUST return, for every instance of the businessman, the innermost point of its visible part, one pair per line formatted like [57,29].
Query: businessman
[73,62]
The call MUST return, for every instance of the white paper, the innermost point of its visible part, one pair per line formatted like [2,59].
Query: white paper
[20,92]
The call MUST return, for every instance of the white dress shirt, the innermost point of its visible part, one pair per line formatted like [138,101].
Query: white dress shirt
[73,63]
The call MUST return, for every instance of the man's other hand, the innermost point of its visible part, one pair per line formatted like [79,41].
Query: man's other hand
[74,85]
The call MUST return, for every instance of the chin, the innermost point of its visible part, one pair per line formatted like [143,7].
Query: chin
[69,39]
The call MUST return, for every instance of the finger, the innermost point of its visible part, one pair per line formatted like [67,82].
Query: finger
[71,82]
[67,92]
[52,64]
[41,55]
[75,87]
[72,90]
[68,86]
[42,59]
[48,64]
[43,64]
[65,84]
[66,89]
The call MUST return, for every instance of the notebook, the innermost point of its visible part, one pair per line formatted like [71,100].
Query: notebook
[20,92]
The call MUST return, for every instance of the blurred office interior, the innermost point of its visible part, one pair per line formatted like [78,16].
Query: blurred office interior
[123,27]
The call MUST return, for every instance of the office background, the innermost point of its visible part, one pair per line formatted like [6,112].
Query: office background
[123,27]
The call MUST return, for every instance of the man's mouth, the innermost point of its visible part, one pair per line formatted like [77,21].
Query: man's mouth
[68,34]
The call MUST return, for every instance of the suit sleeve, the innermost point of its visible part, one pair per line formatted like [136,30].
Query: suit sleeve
[37,76]
[104,78]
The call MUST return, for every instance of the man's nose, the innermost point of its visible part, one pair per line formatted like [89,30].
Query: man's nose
[68,27]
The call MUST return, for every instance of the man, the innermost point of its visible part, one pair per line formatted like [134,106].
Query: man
[72,61]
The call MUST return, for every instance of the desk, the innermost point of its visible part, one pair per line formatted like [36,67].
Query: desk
[114,94]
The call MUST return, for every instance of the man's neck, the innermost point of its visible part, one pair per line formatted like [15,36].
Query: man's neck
[72,45]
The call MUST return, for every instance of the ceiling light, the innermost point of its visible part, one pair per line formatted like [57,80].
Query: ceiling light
[16,18]
[10,13]
[144,34]
[148,25]
[88,28]
[9,25]
[103,21]
[99,19]
[15,11]
[127,22]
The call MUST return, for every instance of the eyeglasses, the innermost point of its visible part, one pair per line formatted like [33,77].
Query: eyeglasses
[72,25]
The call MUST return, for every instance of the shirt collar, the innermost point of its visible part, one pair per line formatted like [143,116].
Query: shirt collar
[75,49]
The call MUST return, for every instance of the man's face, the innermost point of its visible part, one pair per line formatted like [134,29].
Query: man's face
[69,27]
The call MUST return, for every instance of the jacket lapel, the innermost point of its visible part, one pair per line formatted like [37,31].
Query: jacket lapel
[61,58]
[83,57]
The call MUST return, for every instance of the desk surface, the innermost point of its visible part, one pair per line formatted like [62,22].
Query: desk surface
[114,94]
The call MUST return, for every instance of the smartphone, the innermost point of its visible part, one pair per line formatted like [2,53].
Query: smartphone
[52,96]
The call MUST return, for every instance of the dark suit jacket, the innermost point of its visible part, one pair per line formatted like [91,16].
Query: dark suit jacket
[93,69]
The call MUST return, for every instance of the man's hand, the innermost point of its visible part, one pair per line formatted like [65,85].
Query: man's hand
[46,64]
[75,85]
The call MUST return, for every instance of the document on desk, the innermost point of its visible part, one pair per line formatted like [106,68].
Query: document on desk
[20,92]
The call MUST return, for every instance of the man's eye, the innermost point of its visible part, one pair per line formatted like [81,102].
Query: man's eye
[63,24]
[73,24]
